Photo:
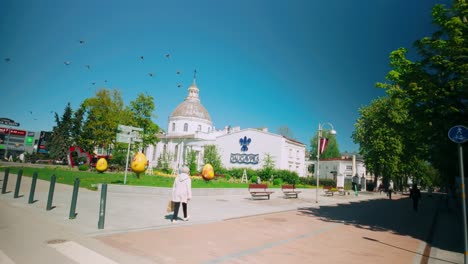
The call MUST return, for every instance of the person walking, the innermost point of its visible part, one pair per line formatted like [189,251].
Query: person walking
[415,194]
[390,190]
[181,193]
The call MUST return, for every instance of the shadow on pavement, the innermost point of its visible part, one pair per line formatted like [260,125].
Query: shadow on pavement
[397,216]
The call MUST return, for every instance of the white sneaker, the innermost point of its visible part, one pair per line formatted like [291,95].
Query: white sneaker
[187,218]
[173,221]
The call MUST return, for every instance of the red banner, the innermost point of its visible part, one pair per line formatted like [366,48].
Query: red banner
[323,144]
[10,131]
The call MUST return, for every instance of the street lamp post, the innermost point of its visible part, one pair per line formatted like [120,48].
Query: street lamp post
[319,136]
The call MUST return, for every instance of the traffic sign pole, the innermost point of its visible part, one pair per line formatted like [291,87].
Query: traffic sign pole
[463,196]
[459,135]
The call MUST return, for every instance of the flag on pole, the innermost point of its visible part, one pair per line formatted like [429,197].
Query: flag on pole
[323,144]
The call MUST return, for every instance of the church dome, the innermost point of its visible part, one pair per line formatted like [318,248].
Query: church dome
[191,106]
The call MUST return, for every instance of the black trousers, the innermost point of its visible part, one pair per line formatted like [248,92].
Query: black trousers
[176,210]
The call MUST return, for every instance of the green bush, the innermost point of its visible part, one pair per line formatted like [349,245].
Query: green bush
[253,179]
[327,182]
[277,181]
[308,181]
[83,167]
[228,177]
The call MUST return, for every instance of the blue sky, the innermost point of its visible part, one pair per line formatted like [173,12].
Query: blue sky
[260,63]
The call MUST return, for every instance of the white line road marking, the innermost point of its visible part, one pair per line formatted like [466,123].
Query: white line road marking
[4,259]
[80,253]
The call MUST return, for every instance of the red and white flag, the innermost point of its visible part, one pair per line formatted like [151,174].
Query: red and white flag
[323,144]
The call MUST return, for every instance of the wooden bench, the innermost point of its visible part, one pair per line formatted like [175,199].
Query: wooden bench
[259,190]
[328,190]
[290,191]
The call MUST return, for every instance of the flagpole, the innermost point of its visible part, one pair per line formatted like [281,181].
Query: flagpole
[319,136]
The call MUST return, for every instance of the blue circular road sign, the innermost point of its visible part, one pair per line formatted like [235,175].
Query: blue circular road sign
[458,134]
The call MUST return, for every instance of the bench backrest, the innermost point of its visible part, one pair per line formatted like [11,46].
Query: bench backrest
[258,186]
[327,187]
[288,187]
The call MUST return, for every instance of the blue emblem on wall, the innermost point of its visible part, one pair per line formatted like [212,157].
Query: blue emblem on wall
[244,142]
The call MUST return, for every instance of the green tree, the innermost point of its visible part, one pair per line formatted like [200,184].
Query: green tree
[332,150]
[61,138]
[102,119]
[379,142]
[192,161]
[141,110]
[434,88]
[212,156]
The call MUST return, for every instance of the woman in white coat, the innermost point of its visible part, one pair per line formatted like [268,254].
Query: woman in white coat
[181,193]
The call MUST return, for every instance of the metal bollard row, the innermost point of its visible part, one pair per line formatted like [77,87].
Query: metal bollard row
[53,179]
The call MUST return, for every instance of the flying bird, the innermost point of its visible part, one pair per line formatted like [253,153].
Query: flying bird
[88,66]
[105,81]
[93,83]
[141,57]
[67,63]
[178,72]
[150,74]
[7,60]
[179,85]
[168,56]
[30,112]
[82,41]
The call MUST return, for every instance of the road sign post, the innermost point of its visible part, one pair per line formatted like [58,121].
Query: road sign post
[459,135]
[128,134]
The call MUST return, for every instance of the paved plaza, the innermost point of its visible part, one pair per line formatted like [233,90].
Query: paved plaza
[226,226]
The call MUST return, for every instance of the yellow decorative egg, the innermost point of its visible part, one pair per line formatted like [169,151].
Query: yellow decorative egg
[139,163]
[101,165]
[207,172]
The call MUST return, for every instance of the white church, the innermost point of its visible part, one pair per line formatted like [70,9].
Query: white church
[190,128]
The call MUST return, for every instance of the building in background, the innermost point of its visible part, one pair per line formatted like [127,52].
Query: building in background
[190,128]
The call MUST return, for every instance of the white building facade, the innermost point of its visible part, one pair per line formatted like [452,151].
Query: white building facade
[347,166]
[190,128]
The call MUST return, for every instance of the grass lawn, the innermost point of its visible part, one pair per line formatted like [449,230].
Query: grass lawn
[90,179]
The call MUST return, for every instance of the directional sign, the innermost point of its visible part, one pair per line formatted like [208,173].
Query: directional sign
[458,134]
[8,122]
[128,134]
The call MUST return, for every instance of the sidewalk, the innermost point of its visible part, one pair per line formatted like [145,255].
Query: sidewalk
[131,208]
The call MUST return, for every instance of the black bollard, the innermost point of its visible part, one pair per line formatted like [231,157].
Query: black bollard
[5,180]
[18,183]
[51,192]
[102,207]
[74,198]
[33,188]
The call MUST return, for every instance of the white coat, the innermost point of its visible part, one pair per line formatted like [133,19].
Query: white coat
[182,188]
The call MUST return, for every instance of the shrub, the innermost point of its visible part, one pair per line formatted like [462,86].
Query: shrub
[326,182]
[277,181]
[253,179]
[83,167]
[228,177]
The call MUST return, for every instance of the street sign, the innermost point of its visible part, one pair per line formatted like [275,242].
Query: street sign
[458,134]
[128,134]
[126,129]
[128,137]
[8,122]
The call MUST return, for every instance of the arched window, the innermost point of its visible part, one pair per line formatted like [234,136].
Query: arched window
[199,128]
[185,127]
[173,127]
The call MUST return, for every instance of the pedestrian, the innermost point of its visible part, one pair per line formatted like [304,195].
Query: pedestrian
[415,194]
[181,193]
[381,188]
[390,190]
